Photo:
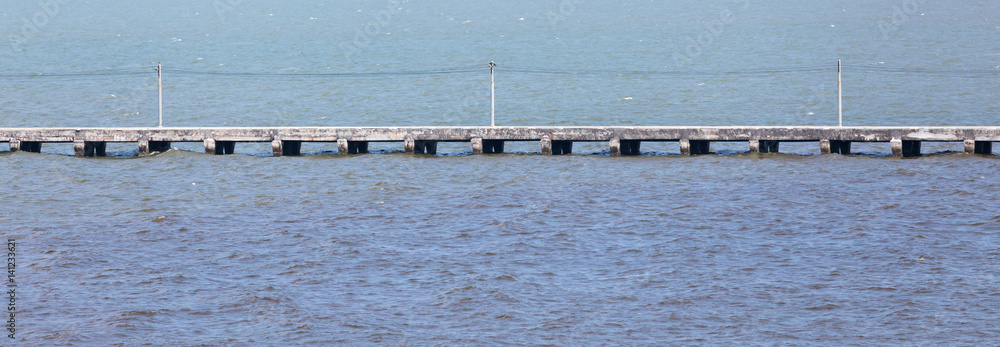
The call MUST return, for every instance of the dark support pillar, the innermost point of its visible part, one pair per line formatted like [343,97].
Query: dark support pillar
[146,146]
[89,149]
[425,147]
[978,147]
[225,147]
[763,146]
[630,147]
[984,147]
[351,147]
[769,146]
[291,148]
[420,147]
[27,146]
[562,147]
[100,148]
[357,147]
[286,148]
[219,147]
[840,147]
[159,146]
[492,146]
[694,147]
[905,148]
[911,148]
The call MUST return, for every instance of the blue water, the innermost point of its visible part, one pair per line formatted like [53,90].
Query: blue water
[459,249]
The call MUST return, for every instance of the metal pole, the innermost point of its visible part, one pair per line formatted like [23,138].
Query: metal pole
[492,98]
[840,96]
[159,83]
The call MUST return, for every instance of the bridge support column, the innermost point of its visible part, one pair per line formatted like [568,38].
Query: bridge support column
[425,147]
[493,146]
[159,146]
[89,149]
[210,146]
[834,147]
[351,147]
[624,147]
[978,147]
[27,146]
[477,145]
[694,147]
[562,147]
[765,146]
[146,146]
[33,147]
[225,147]
[769,146]
[902,148]
[286,148]
[219,147]
[630,147]
[342,146]
[409,146]
[984,147]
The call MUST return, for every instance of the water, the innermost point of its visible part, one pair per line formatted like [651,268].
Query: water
[456,249]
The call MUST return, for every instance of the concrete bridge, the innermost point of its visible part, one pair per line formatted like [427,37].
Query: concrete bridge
[622,140]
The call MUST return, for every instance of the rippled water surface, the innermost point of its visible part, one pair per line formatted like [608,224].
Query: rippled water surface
[459,249]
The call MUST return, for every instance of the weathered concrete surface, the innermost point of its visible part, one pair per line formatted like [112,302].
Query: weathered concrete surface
[693,140]
[465,134]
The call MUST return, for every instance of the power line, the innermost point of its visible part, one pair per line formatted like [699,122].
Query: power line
[530,71]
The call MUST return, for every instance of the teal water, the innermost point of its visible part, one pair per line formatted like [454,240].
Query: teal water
[455,249]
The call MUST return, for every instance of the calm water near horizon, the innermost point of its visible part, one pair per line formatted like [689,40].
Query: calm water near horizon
[513,249]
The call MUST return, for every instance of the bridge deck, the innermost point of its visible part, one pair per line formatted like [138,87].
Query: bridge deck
[623,140]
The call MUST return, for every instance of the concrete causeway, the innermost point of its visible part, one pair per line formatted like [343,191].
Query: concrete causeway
[622,140]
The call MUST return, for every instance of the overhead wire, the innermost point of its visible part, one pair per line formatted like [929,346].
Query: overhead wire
[515,70]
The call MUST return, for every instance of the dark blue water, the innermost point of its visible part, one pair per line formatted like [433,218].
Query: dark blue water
[459,249]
